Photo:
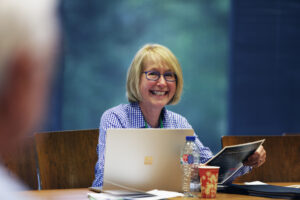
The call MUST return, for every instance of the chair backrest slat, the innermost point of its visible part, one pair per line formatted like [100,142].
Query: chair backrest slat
[67,158]
[21,162]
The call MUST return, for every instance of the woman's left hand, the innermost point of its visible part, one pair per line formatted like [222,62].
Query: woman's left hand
[257,158]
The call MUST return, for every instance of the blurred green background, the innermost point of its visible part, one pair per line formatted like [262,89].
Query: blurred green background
[100,39]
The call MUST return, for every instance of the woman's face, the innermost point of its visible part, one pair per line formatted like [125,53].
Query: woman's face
[156,94]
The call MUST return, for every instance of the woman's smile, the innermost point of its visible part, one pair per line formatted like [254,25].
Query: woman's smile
[159,93]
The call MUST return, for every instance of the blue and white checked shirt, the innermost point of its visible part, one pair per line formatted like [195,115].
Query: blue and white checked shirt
[130,116]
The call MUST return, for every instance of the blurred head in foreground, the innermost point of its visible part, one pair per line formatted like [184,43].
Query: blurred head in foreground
[28,41]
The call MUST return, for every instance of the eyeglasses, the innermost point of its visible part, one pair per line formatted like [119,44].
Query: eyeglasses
[155,75]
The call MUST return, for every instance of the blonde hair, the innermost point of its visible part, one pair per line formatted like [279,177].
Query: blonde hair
[153,52]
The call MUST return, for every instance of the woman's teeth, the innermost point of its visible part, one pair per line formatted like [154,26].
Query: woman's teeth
[158,93]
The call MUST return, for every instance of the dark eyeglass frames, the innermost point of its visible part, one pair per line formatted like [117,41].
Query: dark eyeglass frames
[155,75]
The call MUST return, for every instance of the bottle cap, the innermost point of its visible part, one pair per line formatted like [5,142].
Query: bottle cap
[190,138]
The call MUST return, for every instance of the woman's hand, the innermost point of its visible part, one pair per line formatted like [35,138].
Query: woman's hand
[257,158]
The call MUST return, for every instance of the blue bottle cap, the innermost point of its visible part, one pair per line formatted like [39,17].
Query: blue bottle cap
[190,138]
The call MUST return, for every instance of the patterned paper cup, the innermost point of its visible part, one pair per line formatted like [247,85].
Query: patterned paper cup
[209,181]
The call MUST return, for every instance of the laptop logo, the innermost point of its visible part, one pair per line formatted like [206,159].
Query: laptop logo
[148,160]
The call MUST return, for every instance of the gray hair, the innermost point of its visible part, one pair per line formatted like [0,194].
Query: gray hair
[29,26]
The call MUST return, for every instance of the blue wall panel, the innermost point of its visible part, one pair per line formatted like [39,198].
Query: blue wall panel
[264,94]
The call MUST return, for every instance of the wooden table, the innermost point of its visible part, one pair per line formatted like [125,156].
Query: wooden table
[81,194]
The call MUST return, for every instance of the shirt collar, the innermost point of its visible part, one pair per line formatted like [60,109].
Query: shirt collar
[137,117]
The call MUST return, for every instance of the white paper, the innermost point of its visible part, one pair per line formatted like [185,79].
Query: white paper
[255,183]
[160,194]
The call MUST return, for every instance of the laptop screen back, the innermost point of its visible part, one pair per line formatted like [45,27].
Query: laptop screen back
[144,159]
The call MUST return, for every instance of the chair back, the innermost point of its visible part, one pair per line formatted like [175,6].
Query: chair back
[287,133]
[282,162]
[21,162]
[67,158]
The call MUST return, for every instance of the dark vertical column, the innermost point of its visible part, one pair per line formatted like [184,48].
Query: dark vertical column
[264,94]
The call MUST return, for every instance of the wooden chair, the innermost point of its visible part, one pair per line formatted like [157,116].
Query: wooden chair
[283,158]
[67,158]
[291,134]
[21,162]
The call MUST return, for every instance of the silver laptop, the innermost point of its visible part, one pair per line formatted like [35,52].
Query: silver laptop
[144,159]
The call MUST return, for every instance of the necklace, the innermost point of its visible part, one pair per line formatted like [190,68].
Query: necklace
[160,122]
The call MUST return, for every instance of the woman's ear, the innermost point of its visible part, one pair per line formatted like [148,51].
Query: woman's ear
[21,71]
[14,101]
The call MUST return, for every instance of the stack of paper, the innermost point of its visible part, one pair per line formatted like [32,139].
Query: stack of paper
[117,195]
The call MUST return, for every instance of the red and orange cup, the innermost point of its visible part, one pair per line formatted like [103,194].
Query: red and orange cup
[209,181]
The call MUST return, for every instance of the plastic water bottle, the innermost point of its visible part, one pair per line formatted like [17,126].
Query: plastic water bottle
[190,159]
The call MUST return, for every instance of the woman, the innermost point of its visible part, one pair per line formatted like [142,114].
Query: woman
[154,80]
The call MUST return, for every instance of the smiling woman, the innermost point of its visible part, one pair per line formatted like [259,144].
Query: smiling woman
[154,55]
[146,85]
[154,80]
